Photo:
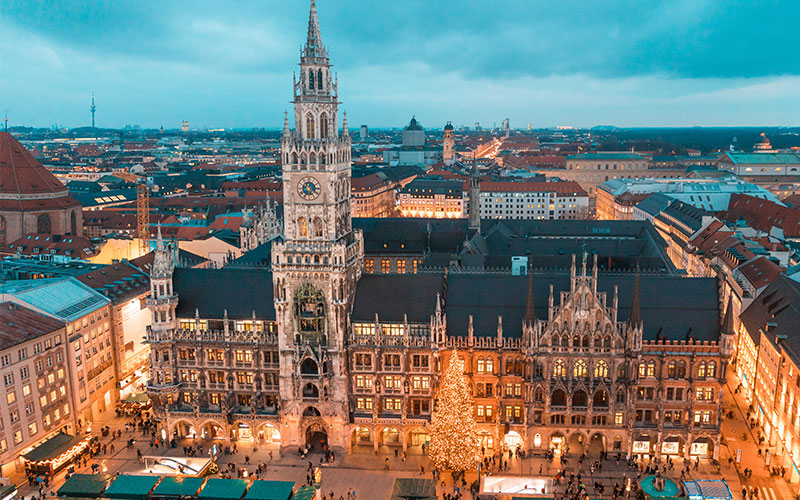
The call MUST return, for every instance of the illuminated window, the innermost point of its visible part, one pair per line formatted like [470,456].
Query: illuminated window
[601,369]
[580,368]
[385,266]
[401,266]
[369,265]
[559,368]
[392,329]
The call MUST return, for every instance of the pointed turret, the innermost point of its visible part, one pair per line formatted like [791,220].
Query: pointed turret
[286,124]
[530,310]
[314,47]
[474,197]
[728,320]
[159,239]
[344,125]
[636,313]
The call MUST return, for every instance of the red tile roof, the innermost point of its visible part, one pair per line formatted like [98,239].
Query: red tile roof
[761,271]
[763,214]
[51,244]
[19,324]
[569,188]
[22,177]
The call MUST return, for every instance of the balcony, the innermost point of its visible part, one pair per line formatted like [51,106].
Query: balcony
[169,388]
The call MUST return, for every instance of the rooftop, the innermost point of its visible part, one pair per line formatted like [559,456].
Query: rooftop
[19,324]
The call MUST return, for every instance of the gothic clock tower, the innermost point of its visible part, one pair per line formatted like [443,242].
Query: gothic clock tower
[318,261]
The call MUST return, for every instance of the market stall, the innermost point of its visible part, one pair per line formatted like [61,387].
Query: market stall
[84,486]
[56,453]
[270,490]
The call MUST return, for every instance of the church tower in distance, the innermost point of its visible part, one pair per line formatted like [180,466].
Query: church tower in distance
[319,259]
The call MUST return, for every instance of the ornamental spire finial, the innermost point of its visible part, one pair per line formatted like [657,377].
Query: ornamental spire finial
[314,41]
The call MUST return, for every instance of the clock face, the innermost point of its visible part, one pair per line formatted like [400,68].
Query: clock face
[308,188]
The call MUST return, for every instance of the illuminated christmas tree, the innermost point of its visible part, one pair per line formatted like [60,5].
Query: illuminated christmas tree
[454,440]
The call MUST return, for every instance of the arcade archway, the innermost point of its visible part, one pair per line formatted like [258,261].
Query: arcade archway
[316,437]
[597,445]
[268,433]
[212,430]
[512,440]
[417,437]
[183,429]
[576,444]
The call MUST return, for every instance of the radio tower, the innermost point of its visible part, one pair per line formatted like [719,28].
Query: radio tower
[93,108]
[143,217]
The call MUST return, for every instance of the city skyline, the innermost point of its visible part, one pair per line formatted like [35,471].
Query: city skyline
[576,65]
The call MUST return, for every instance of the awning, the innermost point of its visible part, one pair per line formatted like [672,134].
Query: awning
[414,489]
[223,489]
[131,487]
[53,447]
[8,491]
[270,490]
[305,493]
[84,486]
[172,486]
[139,397]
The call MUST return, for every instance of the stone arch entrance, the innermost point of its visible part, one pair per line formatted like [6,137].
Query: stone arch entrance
[212,430]
[558,443]
[183,429]
[512,440]
[486,440]
[576,444]
[268,433]
[673,445]
[316,437]
[597,445]
[702,447]
[417,437]
[241,431]
[362,439]
[391,437]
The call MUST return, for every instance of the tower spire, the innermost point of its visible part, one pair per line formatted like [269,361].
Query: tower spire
[530,311]
[314,46]
[727,322]
[636,313]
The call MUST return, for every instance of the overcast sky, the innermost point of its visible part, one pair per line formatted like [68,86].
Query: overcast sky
[566,62]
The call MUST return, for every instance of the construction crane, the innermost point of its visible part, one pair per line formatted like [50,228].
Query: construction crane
[143,217]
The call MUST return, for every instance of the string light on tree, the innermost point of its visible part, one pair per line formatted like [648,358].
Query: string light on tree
[454,439]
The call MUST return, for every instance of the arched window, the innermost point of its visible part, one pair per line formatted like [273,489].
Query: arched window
[43,224]
[317,227]
[607,342]
[600,398]
[576,341]
[601,369]
[580,368]
[312,159]
[302,228]
[559,368]
[310,126]
[585,341]
[73,224]
[303,159]
[294,158]
[309,367]
[672,369]
[323,127]
[579,398]
[319,79]
[711,369]
[558,398]
[701,369]
[681,369]
[620,396]
[2,230]
[538,394]
[311,79]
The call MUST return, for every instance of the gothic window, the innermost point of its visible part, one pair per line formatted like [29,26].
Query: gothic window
[701,369]
[302,229]
[310,391]
[579,398]
[559,368]
[319,79]
[309,367]
[312,159]
[323,129]
[585,341]
[620,396]
[73,225]
[2,230]
[672,368]
[322,155]
[309,309]
[303,159]
[681,369]
[538,394]
[600,398]
[43,224]
[601,369]
[310,126]
[317,227]
[580,368]
[311,79]
[294,158]
[558,398]
[607,342]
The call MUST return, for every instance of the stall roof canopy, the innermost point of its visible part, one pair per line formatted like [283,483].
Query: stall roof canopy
[139,397]
[223,489]
[270,490]
[306,493]
[708,489]
[131,487]
[53,447]
[84,486]
[172,486]
[414,489]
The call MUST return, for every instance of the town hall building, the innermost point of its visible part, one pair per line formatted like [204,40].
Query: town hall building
[318,348]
